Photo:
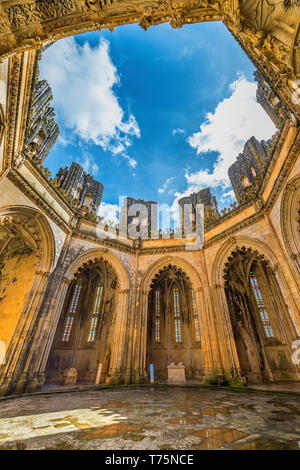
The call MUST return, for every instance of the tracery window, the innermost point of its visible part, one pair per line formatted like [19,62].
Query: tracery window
[72,311]
[261,306]
[195,316]
[177,315]
[95,313]
[157,316]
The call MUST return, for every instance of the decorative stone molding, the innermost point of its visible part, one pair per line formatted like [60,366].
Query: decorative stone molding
[36,198]
[28,25]
[19,160]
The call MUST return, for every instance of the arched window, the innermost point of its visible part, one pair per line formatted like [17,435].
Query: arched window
[261,306]
[177,315]
[195,316]
[95,312]
[157,316]
[72,311]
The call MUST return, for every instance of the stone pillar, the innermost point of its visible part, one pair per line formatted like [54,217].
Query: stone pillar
[213,370]
[139,365]
[116,373]
[230,360]
[206,347]
[16,375]
[53,307]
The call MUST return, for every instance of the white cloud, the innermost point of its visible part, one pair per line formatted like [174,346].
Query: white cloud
[178,130]
[109,212]
[227,197]
[83,80]
[88,164]
[165,185]
[225,131]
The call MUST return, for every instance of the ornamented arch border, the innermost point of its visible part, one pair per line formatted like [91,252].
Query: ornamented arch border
[106,255]
[47,242]
[229,246]
[290,201]
[13,375]
[177,261]
[143,306]
[28,25]
[230,356]
[122,307]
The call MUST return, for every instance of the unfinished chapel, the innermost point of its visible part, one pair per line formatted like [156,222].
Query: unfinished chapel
[80,296]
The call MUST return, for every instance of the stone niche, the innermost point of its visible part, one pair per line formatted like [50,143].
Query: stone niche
[70,376]
[176,373]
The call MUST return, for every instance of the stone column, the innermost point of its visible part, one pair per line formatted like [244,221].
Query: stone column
[213,370]
[116,374]
[206,347]
[53,307]
[139,364]
[17,376]
[230,358]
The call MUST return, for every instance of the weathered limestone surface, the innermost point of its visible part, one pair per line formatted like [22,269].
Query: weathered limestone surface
[176,373]
[46,244]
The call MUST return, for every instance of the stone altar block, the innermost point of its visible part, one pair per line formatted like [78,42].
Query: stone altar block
[70,376]
[176,373]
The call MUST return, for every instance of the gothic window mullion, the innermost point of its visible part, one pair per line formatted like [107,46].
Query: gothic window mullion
[95,312]
[177,319]
[274,311]
[157,329]
[72,311]
[264,317]
[195,317]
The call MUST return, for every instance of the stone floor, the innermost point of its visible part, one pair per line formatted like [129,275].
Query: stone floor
[151,418]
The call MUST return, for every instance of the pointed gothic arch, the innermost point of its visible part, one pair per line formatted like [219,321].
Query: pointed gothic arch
[290,220]
[173,327]
[85,328]
[27,254]
[95,324]
[262,325]
[191,282]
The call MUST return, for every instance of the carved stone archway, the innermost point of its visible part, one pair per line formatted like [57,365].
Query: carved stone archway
[139,364]
[268,31]
[173,329]
[120,335]
[27,256]
[290,220]
[262,323]
[85,333]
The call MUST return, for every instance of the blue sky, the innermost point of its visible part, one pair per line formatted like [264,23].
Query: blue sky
[153,114]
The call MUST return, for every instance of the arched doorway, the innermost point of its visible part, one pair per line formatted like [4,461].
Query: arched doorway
[262,326]
[19,256]
[173,331]
[27,256]
[85,329]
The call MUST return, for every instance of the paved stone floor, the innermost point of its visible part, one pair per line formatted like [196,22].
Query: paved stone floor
[151,418]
